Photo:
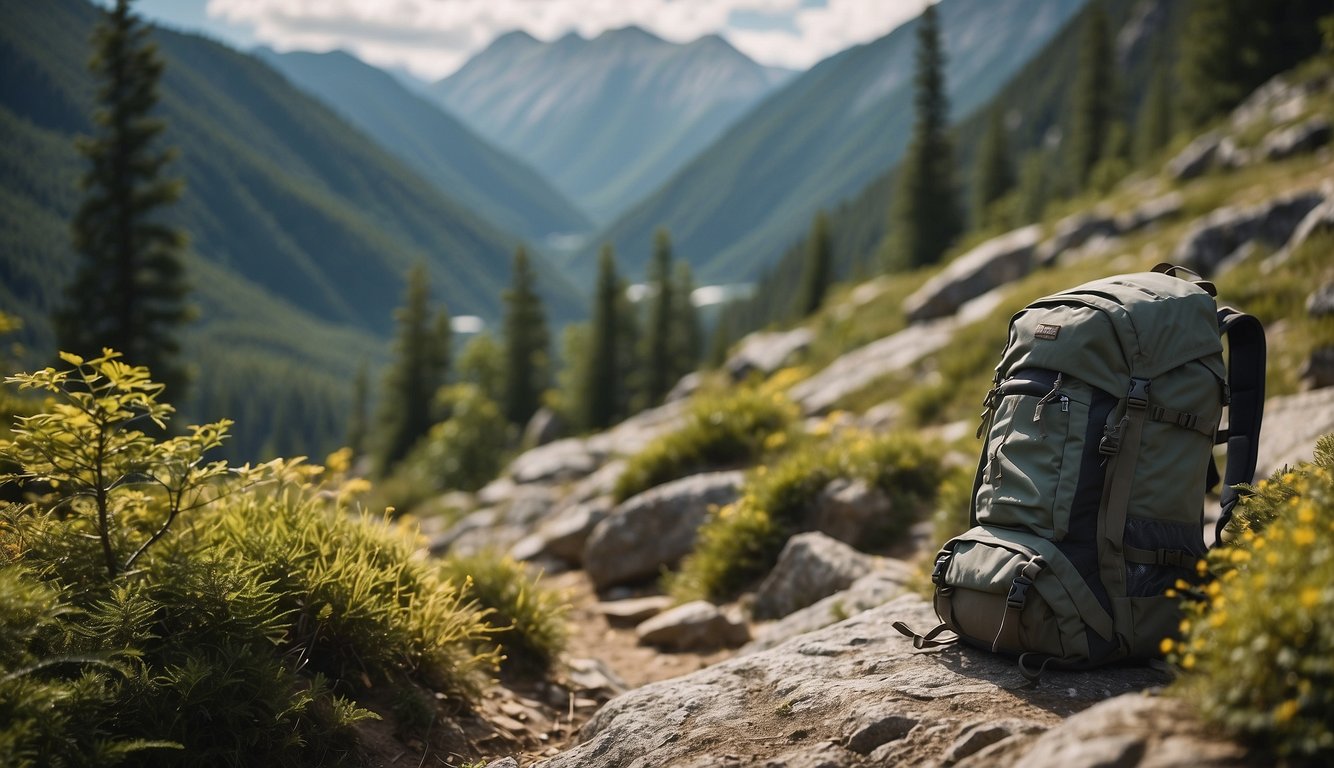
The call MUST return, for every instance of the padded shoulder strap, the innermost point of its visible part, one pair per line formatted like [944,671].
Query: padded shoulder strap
[1246,385]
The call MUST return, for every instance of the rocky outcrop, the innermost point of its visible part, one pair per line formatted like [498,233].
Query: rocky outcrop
[1306,136]
[1320,219]
[851,511]
[767,352]
[811,566]
[1074,231]
[696,626]
[561,461]
[1215,237]
[1321,302]
[634,610]
[655,529]
[499,527]
[994,263]
[858,368]
[563,535]
[1196,158]
[1318,370]
[890,580]
[858,694]
[1292,424]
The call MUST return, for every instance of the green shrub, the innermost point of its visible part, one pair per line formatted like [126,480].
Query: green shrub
[528,620]
[720,430]
[1257,647]
[741,541]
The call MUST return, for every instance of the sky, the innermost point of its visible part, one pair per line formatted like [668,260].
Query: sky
[432,38]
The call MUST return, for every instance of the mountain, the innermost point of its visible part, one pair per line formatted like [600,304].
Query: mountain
[302,229]
[436,145]
[735,207]
[608,119]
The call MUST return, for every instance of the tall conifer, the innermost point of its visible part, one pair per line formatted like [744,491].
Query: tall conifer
[1094,100]
[925,218]
[526,344]
[419,368]
[817,272]
[602,393]
[129,290]
[1153,124]
[687,337]
[995,170]
[358,422]
[657,355]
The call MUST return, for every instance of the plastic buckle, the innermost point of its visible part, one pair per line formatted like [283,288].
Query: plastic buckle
[1138,397]
[1018,593]
[1110,444]
[938,572]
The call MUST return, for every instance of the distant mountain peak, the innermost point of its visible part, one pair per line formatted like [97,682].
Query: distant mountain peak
[514,40]
[631,33]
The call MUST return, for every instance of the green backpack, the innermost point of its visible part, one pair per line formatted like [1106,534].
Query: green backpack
[1089,498]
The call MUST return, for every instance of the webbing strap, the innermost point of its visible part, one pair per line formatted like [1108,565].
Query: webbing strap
[1119,482]
[1246,384]
[1178,558]
[929,639]
[1007,634]
[1183,420]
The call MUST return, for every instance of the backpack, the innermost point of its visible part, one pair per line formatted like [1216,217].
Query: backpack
[1088,500]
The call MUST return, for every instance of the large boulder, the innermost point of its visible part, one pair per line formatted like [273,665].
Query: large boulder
[1150,212]
[1320,219]
[1196,158]
[856,693]
[562,535]
[889,581]
[558,462]
[852,511]
[811,566]
[696,626]
[1321,302]
[994,263]
[544,427]
[1215,237]
[632,435]
[1318,370]
[765,353]
[502,526]
[1075,231]
[1306,136]
[656,528]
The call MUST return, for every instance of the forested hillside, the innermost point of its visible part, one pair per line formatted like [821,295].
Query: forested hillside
[821,138]
[302,230]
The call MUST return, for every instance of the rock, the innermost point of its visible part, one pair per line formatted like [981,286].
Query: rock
[656,528]
[877,727]
[767,352]
[695,626]
[1306,136]
[1151,212]
[544,427]
[810,567]
[687,386]
[851,511]
[992,264]
[829,685]
[635,610]
[1216,236]
[1320,219]
[981,735]
[500,527]
[563,535]
[854,370]
[1318,370]
[875,589]
[1196,158]
[495,492]
[882,418]
[504,762]
[557,462]
[632,435]
[1073,232]
[482,519]
[1131,730]
[600,483]
[594,676]
[1292,424]
[1321,302]
[1276,95]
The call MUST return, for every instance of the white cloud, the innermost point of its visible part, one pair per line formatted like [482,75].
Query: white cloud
[434,37]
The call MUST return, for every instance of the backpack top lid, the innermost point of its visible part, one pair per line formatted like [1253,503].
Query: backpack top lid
[1107,330]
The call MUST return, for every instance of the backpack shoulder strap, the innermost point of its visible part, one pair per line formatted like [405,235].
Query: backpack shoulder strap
[1246,404]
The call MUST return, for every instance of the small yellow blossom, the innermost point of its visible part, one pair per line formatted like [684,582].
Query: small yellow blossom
[1310,597]
[1285,711]
[1188,662]
[1240,556]
[1303,536]
[1201,567]
[1306,514]
[1166,646]
[1185,627]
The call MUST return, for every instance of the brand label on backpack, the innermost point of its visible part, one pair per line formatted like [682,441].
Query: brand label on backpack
[1047,331]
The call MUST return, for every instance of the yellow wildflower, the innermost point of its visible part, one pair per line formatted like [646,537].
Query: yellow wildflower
[1310,597]
[1303,536]
[1306,514]
[1185,627]
[1188,662]
[1240,556]
[1285,711]
[1201,567]
[1166,646]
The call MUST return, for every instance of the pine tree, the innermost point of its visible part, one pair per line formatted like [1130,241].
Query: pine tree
[1231,47]
[817,272]
[687,337]
[1094,100]
[129,291]
[1153,126]
[658,335]
[482,364]
[629,363]
[526,344]
[1034,187]
[419,368]
[995,172]
[925,217]
[602,392]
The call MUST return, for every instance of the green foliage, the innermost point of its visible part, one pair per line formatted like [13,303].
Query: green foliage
[464,451]
[720,430]
[421,362]
[111,480]
[994,174]
[1257,644]
[925,217]
[129,291]
[527,619]
[687,338]
[482,364]
[817,272]
[1094,100]
[657,352]
[605,388]
[358,424]
[741,541]
[1153,128]
[526,345]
